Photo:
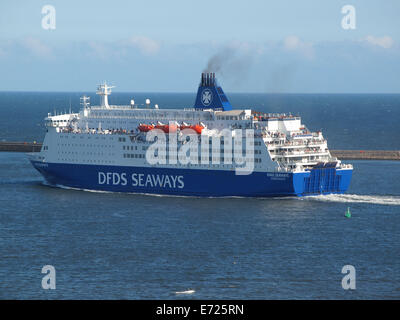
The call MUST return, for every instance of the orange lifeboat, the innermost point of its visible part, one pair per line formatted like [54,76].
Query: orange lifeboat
[197,127]
[167,128]
[145,127]
[184,126]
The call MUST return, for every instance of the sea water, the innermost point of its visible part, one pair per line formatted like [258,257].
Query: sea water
[127,246]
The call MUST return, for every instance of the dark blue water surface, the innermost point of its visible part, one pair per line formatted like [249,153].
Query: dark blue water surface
[349,121]
[106,245]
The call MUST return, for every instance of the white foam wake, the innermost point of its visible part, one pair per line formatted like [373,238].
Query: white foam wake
[185,292]
[358,198]
[344,198]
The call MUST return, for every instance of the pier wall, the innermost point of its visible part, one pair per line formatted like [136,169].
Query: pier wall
[366,154]
[20,146]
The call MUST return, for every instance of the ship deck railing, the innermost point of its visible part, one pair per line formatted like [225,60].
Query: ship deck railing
[261,116]
[305,143]
[300,153]
[346,166]
[66,129]
[94,131]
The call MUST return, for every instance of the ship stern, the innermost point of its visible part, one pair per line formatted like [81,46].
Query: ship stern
[322,179]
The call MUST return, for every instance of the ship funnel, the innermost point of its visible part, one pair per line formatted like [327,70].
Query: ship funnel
[210,95]
[208,79]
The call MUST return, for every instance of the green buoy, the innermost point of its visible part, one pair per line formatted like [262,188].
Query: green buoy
[348,213]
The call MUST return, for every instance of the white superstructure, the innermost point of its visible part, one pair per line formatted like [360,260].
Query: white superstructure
[109,134]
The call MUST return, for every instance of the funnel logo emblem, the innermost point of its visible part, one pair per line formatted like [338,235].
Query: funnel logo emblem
[206,97]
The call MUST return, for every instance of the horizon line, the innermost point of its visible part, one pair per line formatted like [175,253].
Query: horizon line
[194,92]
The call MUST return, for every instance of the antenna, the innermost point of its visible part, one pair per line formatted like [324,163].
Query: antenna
[104,91]
[85,101]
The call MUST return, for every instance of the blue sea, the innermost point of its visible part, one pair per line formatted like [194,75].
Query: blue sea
[126,246]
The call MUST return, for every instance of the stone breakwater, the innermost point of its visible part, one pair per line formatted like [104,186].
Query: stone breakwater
[366,154]
[20,146]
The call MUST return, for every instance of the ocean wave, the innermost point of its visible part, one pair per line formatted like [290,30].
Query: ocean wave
[185,292]
[358,198]
[72,188]
[19,181]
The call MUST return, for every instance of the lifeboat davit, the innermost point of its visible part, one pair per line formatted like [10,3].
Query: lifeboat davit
[145,127]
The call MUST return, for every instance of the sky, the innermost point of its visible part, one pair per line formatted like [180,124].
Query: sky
[163,46]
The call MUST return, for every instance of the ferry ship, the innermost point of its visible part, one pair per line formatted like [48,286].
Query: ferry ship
[106,148]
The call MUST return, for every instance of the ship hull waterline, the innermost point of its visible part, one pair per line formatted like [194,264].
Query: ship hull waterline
[194,182]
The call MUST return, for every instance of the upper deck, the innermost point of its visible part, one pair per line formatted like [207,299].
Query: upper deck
[284,139]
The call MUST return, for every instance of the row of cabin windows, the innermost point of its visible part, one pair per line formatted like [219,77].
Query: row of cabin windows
[85,145]
[208,165]
[86,161]
[86,153]
[234,151]
[222,151]
[74,136]
[228,118]
[255,143]
[202,150]
[134,155]
[132,148]
[199,158]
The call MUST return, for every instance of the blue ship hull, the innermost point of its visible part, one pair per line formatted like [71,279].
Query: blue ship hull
[192,182]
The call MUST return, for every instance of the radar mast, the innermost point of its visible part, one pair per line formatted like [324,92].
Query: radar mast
[103,90]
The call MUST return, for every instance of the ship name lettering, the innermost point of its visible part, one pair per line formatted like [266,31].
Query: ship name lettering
[157,180]
[113,178]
